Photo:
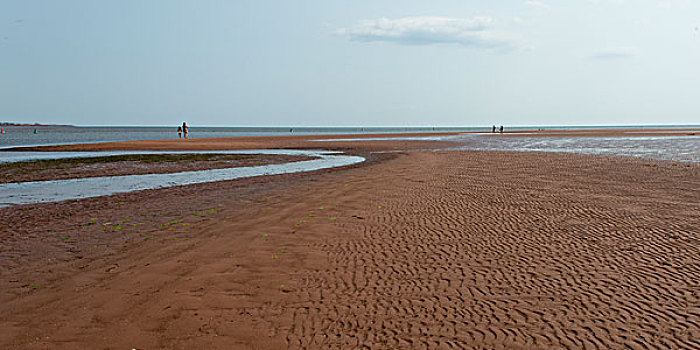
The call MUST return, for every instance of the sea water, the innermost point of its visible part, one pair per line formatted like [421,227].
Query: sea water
[684,148]
[59,135]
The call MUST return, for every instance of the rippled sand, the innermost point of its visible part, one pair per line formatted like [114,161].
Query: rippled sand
[422,250]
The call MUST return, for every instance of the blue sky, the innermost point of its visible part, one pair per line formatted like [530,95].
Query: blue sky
[350,63]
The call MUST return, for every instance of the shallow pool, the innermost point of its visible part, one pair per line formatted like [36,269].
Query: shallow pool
[60,190]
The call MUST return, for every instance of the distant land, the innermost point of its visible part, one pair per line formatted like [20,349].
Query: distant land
[27,124]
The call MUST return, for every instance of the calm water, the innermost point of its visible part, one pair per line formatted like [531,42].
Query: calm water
[674,148]
[60,190]
[681,148]
[53,135]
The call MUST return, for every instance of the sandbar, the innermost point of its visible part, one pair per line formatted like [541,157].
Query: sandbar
[416,248]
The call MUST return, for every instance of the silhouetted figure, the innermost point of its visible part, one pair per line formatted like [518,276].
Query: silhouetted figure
[179,132]
[185,129]
[501,129]
[493,128]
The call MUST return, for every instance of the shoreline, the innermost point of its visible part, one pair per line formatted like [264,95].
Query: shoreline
[306,141]
[468,248]
[120,165]
[235,143]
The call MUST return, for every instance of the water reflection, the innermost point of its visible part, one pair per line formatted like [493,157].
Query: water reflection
[60,190]
[676,148]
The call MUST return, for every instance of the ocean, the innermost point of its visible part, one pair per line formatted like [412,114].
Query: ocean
[675,148]
[59,135]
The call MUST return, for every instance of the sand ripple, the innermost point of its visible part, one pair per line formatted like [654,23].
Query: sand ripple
[433,250]
[491,252]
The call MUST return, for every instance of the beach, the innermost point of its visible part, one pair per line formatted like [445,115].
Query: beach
[416,248]
[60,169]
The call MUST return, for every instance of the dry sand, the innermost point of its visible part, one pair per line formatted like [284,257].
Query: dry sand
[414,250]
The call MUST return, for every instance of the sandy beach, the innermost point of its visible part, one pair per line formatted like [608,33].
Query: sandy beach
[413,249]
[46,170]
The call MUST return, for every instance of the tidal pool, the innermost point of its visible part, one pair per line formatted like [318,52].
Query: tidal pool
[673,148]
[60,190]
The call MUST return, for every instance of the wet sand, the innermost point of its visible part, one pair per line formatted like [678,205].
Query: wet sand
[288,142]
[413,250]
[58,169]
[631,132]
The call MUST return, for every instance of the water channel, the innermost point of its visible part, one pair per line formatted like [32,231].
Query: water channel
[61,190]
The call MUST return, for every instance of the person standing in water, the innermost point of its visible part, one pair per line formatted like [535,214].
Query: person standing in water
[501,129]
[493,128]
[179,132]
[185,129]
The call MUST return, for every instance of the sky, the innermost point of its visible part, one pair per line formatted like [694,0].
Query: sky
[350,63]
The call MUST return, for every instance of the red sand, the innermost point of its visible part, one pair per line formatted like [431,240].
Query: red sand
[414,250]
[58,170]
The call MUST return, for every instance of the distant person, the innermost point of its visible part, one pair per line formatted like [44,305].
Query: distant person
[493,128]
[36,131]
[501,129]
[185,129]
[179,132]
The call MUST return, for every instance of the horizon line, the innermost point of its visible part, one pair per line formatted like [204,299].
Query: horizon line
[360,127]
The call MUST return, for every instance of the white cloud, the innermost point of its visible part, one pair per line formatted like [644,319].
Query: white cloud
[427,30]
[537,4]
[614,53]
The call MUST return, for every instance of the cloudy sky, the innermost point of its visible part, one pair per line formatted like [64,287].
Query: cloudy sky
[350,63]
